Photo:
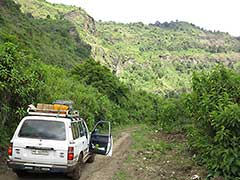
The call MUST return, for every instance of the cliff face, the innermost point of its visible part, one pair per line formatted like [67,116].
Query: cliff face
[42,9]
[82,20]
[158,57]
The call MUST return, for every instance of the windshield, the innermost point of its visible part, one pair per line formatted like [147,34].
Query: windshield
[41,129]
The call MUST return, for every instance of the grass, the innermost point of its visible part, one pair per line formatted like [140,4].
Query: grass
[121,175]
[158,155]
[116,131]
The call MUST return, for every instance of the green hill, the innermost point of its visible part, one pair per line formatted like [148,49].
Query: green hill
[54,41]
[161,57]
[157,57]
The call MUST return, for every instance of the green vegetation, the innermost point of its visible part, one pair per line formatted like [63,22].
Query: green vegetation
[121,175]
[92,73]
[157,58]
[34,69]
[209,115]
[160,58]
[54,41]
[19,85]
[215,136]
[125,73]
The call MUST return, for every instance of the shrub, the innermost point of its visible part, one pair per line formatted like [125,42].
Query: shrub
[94,74]
[19,85]
[215,110]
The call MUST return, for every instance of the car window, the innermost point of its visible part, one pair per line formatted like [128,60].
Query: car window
[42,129]
[85,128]
[75,130]
[81,128]
[102,129]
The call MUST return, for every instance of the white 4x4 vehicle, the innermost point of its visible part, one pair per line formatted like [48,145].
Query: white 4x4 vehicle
[46,141]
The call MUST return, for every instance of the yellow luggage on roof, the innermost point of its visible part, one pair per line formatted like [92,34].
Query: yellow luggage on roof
[60,107]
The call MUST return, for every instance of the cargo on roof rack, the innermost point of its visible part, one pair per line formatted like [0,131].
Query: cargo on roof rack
[55,110]
[65,103]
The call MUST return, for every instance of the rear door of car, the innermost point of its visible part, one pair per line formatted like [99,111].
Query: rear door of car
[79,138]
[85,138]
[41,141]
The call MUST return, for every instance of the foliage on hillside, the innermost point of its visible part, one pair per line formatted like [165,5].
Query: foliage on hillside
[40,48]
[157,58]
[161,57]
[41,9]
[176,36]
[20,84]
[53,41]
[98,76]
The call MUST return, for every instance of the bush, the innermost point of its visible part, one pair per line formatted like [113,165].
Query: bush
[94,74]
[19,85]
[171,114]
[215,109]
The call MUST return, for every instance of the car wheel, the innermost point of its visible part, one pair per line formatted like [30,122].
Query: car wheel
[20,174]
[91,159]
[77,172]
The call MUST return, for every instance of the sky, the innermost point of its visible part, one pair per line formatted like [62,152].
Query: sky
[222,15]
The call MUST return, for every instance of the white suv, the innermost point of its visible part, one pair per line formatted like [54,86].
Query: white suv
[56,142]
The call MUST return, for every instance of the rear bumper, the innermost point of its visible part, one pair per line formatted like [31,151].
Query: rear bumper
[33,167]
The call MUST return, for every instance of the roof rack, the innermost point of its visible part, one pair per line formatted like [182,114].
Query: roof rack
[56,110]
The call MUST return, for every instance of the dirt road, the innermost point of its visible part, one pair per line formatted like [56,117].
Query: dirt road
[103,168]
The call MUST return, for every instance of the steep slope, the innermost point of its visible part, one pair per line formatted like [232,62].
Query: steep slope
[54,41]
[42,9]
[157,58]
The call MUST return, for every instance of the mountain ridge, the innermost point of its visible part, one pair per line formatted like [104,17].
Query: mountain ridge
[157,57]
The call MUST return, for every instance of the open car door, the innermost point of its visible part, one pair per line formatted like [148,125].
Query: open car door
[101,141]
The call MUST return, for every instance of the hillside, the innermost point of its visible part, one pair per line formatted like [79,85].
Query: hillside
[157,57]
[160,58]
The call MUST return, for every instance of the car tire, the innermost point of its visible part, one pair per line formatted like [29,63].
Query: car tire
[77,172]
[20,174]
[91,159]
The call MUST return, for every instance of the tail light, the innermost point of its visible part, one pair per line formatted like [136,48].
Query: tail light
[70,153]
[10,149]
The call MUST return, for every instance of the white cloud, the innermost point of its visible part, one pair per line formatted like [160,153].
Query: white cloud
[220,15]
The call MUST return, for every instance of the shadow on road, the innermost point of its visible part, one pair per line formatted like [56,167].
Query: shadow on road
[37,177]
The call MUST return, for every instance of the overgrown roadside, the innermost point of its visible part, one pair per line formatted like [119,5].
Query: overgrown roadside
[158,155]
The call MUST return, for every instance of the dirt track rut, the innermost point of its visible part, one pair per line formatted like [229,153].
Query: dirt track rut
[105,167]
